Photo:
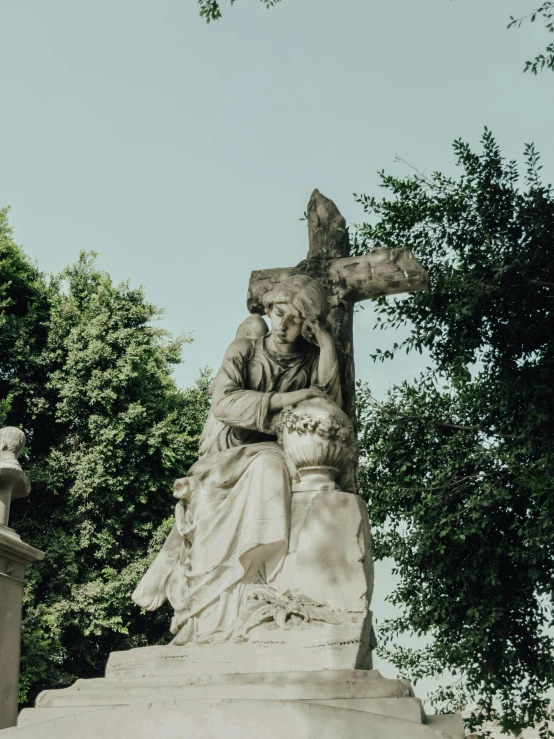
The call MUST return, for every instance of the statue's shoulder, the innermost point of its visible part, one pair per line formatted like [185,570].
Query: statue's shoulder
[253,327]
[250,332]
[241,347]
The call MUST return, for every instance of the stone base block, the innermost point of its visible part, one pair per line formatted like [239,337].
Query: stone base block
[407,709]
[318,646]
[329,556]
[288,686]
[327,704]
[150,693]
[233,720]
[15,555]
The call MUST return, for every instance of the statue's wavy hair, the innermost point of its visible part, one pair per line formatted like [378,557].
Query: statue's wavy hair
[305,294]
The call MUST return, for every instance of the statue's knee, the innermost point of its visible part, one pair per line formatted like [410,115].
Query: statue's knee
[271,463]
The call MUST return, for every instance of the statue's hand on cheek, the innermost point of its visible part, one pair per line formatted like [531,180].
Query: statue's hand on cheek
[313,331]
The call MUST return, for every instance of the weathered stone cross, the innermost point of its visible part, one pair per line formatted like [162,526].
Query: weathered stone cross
[348,280]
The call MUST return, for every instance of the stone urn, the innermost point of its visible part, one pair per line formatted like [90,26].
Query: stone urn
[319,439]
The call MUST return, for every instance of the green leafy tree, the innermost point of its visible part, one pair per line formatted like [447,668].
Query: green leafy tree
[108,432]
[24,311]
[457,467]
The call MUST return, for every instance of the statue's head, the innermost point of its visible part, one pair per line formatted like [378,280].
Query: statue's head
[292,302]
[12,443]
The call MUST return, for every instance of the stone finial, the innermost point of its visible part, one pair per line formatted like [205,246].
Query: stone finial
[13,481]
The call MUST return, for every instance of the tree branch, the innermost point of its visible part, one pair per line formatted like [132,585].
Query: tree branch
[445,424]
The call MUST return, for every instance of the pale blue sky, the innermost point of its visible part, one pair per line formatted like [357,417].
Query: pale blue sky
[185,153]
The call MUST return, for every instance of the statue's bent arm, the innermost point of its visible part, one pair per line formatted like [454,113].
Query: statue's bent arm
[232,403]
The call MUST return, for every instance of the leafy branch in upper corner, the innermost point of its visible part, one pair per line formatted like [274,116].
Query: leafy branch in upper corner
[546,12]
[211,9]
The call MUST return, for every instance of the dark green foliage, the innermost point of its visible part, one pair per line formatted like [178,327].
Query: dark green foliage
[24,311]
[211,9]
[108,433]
[545,12]
[458,466]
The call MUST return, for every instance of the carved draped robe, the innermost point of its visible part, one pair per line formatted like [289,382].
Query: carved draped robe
[233,518]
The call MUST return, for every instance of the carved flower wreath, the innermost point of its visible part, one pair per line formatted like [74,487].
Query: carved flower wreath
[331,427]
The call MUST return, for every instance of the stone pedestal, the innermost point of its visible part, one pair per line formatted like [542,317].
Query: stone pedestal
[305,677]
[14,556]
[312,680]
[329,560]
[159,691]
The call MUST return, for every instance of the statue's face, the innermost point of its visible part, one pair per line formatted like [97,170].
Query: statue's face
[285,323]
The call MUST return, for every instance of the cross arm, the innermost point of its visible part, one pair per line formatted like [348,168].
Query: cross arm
[381,272]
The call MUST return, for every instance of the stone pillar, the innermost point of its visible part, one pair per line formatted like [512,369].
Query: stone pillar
[14,556]
[329,559]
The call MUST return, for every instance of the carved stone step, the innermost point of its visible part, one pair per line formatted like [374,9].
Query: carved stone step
[318,646]
[232,720]
[291,686]
[331,648]
[407,709]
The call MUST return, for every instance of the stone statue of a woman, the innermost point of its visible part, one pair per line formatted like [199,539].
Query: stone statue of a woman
[233,515]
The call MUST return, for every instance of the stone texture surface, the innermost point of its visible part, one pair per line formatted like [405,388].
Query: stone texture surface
[14,556]
[407,709]
[341,574]
[291,686]
[295,705]
[151,692]
[318,646]
[244,719]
